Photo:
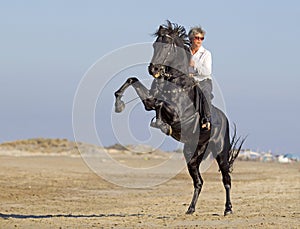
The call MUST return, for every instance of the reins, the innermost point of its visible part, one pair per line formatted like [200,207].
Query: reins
[132,100]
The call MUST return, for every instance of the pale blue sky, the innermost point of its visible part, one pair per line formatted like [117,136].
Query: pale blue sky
[47,46]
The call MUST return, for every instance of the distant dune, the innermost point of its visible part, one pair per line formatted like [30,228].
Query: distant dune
[41,145]
[49,146]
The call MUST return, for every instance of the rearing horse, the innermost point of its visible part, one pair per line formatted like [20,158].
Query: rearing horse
[178,103]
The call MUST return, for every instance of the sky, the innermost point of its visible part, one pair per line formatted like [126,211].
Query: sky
[48,47]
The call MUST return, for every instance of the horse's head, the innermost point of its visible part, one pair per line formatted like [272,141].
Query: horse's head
[171,51]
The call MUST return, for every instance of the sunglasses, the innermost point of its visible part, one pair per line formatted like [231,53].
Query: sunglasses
[199,38]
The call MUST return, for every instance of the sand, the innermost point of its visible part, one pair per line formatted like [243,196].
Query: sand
[61,191]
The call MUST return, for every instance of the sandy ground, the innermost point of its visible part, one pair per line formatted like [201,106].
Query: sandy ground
[62,192]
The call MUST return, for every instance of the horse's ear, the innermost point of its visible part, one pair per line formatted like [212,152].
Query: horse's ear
[160,31]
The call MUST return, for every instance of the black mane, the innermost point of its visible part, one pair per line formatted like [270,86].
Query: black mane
[174,30]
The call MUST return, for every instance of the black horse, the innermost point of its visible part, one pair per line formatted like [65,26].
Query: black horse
[178,102]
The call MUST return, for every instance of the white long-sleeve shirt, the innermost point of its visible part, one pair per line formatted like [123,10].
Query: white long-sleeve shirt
[203,64]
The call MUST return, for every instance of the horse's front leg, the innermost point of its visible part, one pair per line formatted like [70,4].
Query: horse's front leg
[140,89]
[163,126]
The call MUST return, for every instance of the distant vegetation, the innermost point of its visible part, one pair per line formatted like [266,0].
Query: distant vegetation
[45,145]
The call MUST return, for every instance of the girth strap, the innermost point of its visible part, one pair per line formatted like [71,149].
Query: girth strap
[188,121]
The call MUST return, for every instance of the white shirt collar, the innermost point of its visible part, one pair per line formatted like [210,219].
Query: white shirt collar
[201,49]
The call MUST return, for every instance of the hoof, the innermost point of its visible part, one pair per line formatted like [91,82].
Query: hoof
[119,106]
[190,211]
[166,129]
[228,212]
[156,124]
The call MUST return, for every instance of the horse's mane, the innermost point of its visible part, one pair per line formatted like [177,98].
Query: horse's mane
[174,30]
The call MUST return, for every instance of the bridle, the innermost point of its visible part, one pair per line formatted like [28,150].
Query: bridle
[172,46]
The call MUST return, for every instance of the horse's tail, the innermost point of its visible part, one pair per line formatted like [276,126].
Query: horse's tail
[235,147]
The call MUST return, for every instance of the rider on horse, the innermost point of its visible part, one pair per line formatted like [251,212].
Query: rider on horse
[200,69]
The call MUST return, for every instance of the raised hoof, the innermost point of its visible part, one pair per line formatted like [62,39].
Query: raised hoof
[119,106]
[166,129]
[190,211]
[228,212]
[155,124]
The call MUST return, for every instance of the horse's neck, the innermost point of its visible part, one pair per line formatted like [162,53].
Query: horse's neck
[178,73]
[180,81]
[180,69]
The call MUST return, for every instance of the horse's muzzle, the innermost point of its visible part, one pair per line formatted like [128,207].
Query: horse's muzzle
[156,70]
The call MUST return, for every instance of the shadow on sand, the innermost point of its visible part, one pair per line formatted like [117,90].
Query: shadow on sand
[21,216]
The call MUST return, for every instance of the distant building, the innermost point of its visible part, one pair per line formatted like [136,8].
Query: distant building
[248,155]
[267,157]
[287,158]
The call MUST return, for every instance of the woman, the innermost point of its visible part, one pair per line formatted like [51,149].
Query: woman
[200,69]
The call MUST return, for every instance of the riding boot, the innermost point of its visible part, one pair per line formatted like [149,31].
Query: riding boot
[206,120]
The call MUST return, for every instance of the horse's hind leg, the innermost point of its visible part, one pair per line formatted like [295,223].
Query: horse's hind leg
[193,163]
[223,163]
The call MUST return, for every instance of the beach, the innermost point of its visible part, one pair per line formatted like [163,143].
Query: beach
[59,190]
